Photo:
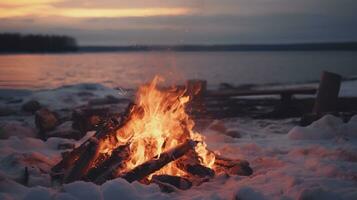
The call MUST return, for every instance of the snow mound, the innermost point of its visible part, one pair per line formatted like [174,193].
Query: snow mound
[328,127]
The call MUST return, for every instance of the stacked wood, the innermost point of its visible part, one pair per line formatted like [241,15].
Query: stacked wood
[190,163]
[151,166]
[87,163]
[105,130]
[84,163]
[110,167]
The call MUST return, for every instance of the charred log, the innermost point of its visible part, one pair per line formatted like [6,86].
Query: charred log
[84,163]
[154,164]
[107,169]
[190,163]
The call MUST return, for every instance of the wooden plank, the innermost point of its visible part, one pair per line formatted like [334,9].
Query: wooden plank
[232,93]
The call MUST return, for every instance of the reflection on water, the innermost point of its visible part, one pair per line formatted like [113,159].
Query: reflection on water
[131,69]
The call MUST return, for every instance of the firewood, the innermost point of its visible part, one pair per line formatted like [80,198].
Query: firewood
[110,165]
[233,167]
[69,159]
[190,163]
[158,162]
[84,163]
[104,130]
[177,181]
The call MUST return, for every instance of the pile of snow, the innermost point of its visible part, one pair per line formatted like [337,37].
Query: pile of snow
[327,127]
[68,97]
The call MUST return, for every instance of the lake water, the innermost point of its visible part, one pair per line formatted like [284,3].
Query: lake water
[39,71]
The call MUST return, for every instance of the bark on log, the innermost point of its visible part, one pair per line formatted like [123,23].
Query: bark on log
[68,160]
[104,130]
[84,163]
[109,167]
[155,164]
[190,163]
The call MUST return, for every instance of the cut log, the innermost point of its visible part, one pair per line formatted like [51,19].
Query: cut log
[178,182]
[190,164]
[233,167]
[69,159]
[155,164]
[107,169]
[84,163]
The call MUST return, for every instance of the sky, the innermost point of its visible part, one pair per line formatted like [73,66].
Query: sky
[130,22]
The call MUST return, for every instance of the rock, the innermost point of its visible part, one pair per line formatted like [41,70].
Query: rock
[15,128]
[31,106]
[65,130]
[234,134]
[107,100]
[45,120]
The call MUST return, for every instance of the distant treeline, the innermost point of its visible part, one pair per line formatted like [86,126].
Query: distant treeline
[331,46]
[14,42]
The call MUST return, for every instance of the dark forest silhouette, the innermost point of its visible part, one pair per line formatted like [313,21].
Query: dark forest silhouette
[14,42]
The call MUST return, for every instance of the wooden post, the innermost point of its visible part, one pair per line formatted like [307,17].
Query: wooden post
[196,89]
[327,95]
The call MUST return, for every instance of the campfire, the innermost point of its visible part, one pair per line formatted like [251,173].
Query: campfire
[154,141]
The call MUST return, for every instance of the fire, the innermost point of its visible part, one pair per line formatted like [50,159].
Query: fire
[158,122]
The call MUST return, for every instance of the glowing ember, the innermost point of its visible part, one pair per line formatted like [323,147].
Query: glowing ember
[158,122]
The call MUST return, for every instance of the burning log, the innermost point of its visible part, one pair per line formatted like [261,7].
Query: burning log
[84,163]
[153,165]
[68,160]
[190,164]
[233,167]
[108,169]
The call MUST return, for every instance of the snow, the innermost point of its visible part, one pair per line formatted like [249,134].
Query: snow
[289,162]
[326,128]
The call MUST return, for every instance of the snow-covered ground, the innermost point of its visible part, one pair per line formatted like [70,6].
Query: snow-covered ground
[289,162]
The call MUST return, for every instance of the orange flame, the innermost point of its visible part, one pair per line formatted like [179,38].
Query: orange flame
[160,123]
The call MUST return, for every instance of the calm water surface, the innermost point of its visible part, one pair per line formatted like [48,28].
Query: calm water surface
[130,69]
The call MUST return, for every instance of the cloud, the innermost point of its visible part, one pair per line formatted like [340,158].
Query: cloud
[50,8]
[128,12]
[111,22]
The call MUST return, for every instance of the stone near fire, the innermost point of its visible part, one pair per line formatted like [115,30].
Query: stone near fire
[31,106]
[65,130]
[45,120]
[233,133]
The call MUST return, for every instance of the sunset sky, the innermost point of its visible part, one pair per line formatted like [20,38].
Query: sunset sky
[113,22]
